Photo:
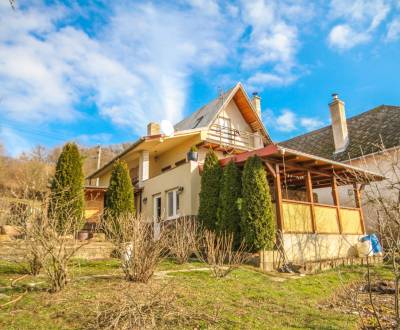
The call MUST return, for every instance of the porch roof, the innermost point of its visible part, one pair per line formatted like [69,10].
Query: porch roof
[293,164]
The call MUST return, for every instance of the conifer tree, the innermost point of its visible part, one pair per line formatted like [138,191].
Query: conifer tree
[119,196]
[67,194]
[209,193]
[229,216]
[258,221]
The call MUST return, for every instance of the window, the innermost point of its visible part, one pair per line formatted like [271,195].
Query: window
[173,203]
[225,128]
[157,207]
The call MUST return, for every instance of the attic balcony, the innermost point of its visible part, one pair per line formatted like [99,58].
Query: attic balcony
[233,138]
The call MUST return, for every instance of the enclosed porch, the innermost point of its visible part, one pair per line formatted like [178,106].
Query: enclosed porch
[307,229]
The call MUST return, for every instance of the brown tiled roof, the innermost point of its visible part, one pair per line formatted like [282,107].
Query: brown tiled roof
[367,131]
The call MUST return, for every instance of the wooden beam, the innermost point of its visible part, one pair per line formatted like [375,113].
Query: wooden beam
[270,169]
[357,195]
[278,199]
[310,198]
[335,196]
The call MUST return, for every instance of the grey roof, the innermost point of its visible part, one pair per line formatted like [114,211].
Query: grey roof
[203,116]
[367,132]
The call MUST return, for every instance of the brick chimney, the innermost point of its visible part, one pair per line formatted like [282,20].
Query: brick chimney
[153,129]
[256,100]
[339,124]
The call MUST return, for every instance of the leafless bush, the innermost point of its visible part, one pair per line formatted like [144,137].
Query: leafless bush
[133,237]
[48,246]
[216,249]
[149,306]
[182,238]
[134,310]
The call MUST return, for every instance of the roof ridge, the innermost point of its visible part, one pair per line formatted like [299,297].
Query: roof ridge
[375,109]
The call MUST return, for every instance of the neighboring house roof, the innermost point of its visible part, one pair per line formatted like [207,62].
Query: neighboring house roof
[368,131]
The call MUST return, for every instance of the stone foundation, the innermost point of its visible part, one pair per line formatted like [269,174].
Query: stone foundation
[15,250]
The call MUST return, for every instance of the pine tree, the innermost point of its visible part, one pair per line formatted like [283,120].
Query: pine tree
[119,196]
[209,193]
[229,216]
[67,194]
[258,221]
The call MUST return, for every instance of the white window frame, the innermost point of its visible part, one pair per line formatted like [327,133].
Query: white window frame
[225,126]
[175,210]
[155,198]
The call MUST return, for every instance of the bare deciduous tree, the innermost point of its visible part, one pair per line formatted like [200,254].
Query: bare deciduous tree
[381,204]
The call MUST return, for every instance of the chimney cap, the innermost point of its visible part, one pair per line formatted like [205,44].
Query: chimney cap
[255,94]
[335,96]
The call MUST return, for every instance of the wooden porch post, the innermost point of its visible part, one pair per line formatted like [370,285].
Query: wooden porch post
[310,199]
[278,198]
[357,195]
[335,196]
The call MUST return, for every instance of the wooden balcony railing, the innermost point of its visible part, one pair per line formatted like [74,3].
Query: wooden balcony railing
[298,217]
[230,137]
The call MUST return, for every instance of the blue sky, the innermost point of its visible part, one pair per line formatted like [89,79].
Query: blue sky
[99,71]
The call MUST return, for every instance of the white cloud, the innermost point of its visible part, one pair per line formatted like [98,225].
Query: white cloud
[393,32]
[359,19]
[286,121]
[310,123]
[270,79]
[136,70]
[274,39]
[344,37]
[289,121]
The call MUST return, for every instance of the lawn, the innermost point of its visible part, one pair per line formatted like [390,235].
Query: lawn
[246,299]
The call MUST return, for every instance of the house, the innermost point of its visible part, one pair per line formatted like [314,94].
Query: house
[359,141]
[167,183]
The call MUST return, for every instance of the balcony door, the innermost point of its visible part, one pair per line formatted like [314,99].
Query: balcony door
[225,129]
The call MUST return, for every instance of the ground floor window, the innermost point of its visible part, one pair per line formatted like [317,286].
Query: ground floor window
[173,203]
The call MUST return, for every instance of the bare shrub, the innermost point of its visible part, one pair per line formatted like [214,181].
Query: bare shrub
[147,306]
[133,237]
[48,246]
[182,238]
[217,250]
[143,309]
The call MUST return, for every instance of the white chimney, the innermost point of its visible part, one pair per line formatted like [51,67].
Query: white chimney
[339,124]
[256,100]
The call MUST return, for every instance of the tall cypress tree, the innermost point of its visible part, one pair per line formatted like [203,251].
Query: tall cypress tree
[258,221]
[231,190]
[67,194]
[209,193]
[119,196]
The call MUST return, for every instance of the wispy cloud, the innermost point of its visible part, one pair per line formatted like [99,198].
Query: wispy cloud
[274,40]
[358,20]
[289,121]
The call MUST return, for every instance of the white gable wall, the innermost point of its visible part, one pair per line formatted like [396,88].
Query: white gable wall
[232,112]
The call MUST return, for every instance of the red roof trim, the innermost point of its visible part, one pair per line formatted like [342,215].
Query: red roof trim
[263,152]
